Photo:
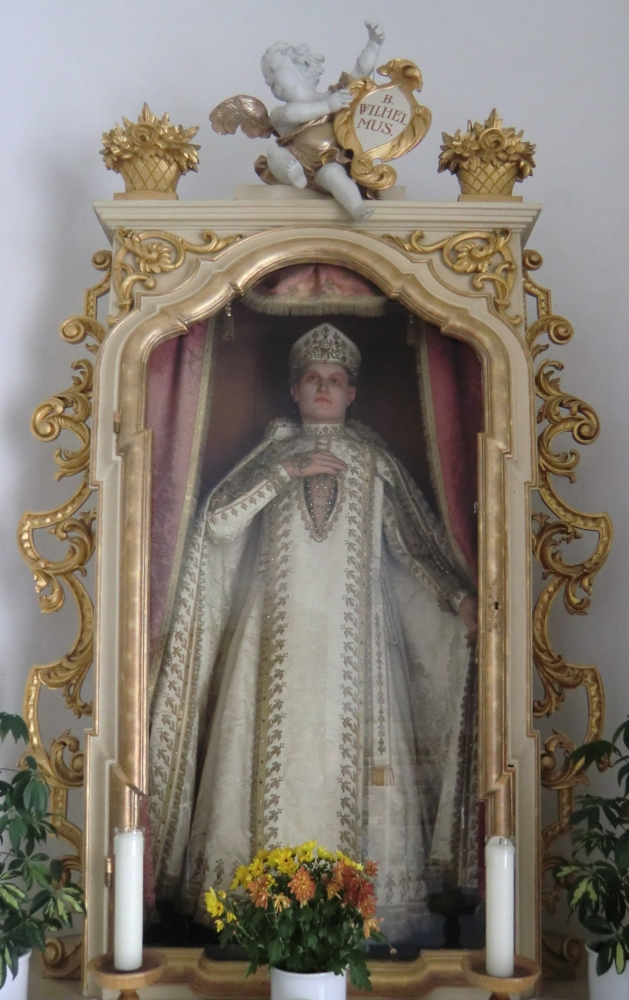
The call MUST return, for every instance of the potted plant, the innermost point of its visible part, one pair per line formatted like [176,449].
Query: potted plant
[305,912]
[34,894]
[597,876]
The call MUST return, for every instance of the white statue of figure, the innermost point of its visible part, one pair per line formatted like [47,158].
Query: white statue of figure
[314,680]
[306,153]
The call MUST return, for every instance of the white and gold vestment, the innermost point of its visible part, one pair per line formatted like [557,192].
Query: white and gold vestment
[314,679]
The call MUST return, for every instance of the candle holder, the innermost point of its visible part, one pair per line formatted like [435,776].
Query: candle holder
[526,972]
[106,974]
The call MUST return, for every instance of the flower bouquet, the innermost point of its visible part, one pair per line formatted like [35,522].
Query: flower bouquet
[301,910]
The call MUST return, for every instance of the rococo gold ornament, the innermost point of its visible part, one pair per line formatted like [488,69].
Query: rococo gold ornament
[488,159]
[69,410]
[473,253]
[64,760]
[151,155]
[561,413]
[140,256]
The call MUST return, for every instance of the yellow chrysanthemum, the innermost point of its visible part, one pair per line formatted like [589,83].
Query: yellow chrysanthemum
[348,861]
[256,868]
[305,852]
[283,859]
[220,924]
[213,904]
[326,855]
[231,918]
[241,877]
[309,845]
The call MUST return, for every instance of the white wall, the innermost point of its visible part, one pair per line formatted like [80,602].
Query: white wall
[71,69]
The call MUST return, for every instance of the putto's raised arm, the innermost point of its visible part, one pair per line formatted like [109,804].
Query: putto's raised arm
[366,62]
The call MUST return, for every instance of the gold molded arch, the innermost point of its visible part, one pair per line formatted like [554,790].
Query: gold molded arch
[220,281]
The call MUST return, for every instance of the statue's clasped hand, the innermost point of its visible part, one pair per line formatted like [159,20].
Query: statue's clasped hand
[311,463]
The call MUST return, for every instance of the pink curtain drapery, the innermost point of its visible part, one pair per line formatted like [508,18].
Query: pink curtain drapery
[453,413]
[176,394]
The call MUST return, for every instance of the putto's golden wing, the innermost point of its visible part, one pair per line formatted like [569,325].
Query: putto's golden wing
[247,112]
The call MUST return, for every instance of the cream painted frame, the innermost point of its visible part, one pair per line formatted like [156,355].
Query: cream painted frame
[121,464]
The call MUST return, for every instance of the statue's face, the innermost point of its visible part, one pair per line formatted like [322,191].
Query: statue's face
[288,83]
[323,393]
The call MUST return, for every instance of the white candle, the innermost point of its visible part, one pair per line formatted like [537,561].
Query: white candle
[128,899]
[500,906]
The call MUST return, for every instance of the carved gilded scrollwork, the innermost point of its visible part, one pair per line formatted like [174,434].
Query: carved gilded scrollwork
[473,253]
[73,526]
[140,256]
[63,958]
[560,413]
[370,167]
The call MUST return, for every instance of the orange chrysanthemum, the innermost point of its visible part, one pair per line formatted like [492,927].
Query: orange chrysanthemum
[302,886]
[366,904]
[259,892]
[351,880]
[371,869]
[334,887]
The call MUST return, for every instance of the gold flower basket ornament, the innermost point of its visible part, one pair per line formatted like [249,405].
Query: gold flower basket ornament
[151,155]
[488,159]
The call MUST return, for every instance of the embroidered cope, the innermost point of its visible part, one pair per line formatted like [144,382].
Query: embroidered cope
[313,682]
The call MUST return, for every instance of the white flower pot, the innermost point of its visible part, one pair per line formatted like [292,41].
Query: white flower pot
[307,985]
[17,989]
[609,986]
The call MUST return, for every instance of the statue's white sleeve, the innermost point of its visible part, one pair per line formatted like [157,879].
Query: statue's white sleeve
[231,511]
[446,588]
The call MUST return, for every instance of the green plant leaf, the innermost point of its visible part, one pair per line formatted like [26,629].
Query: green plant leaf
[623,730]
[276,952]
[12,895]
[595,924]
[578,889]
[595,751]
[605,958]
[36,796]
[621,852]
[17,829]
[13,724]
[56,870]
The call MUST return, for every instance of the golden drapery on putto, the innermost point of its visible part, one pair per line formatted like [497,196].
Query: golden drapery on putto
[315,679]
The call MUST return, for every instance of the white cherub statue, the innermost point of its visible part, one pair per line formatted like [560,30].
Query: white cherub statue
[306,152]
